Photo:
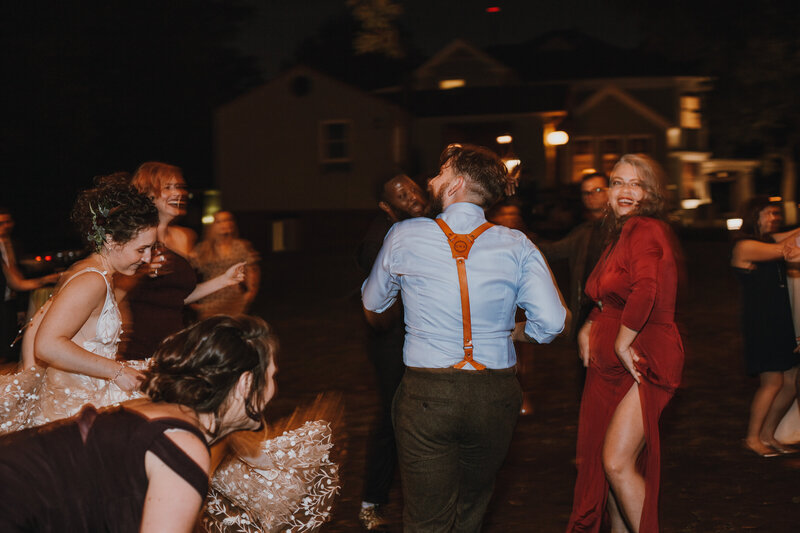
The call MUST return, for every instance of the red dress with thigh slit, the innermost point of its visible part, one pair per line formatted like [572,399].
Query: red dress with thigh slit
[635,284]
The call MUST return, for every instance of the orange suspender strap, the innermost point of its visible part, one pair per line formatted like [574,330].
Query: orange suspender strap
[460,245]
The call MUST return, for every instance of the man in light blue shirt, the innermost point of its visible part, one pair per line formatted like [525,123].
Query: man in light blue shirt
[456,408]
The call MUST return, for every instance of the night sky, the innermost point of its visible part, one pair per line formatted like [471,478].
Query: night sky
[277,27]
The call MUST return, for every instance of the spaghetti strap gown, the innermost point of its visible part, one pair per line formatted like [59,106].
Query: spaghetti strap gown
[289,482]
[634,284]
[156,307]
[38,395]
[87,473]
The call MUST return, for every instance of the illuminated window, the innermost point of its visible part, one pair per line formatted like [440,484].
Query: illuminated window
[334,141]
[582,157]
[690,112]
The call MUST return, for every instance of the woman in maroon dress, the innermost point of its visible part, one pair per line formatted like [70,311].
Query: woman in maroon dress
[633,354]
[153,299]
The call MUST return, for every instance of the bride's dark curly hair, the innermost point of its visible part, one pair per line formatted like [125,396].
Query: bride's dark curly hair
[199,366]
[113,207]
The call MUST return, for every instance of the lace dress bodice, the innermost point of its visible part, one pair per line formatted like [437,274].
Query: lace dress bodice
[38,395]
[109,323]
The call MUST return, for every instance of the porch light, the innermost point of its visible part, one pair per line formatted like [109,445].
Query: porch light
[556,138]
[691,203]
[673,137]
[504,139]
[734,224]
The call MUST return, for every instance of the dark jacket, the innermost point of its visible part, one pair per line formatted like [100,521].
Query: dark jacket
[574,248]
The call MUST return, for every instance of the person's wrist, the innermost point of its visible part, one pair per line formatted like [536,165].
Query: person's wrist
[122,367]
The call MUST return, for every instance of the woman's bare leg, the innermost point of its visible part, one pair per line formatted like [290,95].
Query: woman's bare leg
[624,442]
[780,404]
[618,524]
[771,384]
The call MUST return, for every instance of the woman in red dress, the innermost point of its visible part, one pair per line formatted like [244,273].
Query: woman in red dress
[633,354]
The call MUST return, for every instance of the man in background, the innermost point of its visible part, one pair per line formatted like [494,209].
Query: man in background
[400,198]
[582,247]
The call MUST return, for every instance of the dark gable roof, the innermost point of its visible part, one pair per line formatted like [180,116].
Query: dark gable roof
[570,54]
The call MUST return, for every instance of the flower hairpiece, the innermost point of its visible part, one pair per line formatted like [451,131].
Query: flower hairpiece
[99,220]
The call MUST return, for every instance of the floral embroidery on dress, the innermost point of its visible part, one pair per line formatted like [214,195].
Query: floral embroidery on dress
[38,395]
[288,483]
[293,467]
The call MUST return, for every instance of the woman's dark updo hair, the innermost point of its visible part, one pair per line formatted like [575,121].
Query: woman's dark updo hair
[199,366]
[113,208]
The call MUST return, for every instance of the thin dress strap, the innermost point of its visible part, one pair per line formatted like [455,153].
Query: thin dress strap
[109,323]
[109,301]
[103,273]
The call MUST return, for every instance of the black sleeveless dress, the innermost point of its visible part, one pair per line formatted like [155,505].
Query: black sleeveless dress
[767,326]
[156,307]
[86,473]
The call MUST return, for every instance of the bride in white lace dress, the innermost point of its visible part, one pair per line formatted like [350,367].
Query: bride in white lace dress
[69,348]
[69,360]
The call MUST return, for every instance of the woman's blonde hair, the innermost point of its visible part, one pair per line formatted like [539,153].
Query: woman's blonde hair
[653,180]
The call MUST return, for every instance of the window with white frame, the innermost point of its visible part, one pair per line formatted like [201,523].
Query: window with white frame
[335,141]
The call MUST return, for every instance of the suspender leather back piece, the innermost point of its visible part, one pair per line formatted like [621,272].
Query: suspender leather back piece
[460,245]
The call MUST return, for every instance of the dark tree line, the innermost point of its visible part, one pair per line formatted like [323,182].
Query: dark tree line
[96,86]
